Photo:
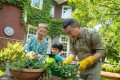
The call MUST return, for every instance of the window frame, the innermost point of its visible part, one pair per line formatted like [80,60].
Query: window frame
[39,6]
[65,6]
[28,31]
[68,45]
[53,11]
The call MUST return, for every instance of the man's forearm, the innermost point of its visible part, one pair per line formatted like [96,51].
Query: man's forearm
[97,56]
[73,56]
[89,61]
[69,59]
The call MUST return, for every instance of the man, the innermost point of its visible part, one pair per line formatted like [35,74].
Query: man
[86,44]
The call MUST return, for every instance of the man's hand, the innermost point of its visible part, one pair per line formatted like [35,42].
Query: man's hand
[84,63]
[68,60]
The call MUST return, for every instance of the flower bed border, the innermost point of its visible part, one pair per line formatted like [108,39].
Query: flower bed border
[110,75]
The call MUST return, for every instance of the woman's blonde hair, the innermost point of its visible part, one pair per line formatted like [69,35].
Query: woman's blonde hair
[42,25]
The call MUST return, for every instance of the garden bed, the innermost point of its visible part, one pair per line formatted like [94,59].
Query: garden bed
[110,75]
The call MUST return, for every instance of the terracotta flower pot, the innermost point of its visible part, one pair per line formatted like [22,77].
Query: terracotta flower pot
[26,74]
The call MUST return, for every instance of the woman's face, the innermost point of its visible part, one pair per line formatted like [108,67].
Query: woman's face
[42,32]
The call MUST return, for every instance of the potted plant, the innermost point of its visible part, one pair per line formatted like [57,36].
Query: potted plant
[11,53]
[21,67]
[65,71]
[27,69]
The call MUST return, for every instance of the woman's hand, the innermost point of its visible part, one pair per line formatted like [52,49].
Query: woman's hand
[31,55]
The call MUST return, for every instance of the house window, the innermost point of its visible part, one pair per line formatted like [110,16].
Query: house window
[31,31]
[52,11]
[66,12]
[64,40]
[37,4]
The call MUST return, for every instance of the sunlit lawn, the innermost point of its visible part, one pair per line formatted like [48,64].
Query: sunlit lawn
[1,73]
[105,79]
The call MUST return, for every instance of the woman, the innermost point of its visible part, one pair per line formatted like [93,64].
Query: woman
[37,44]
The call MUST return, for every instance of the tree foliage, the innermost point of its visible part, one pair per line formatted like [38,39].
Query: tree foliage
[90,13]
[55,28]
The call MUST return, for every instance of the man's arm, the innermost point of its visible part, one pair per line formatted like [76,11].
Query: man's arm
[99,51]
[72,55]
[98,46]
[97,56]
[70,58]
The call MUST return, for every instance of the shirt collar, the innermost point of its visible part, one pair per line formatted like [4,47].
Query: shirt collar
[81,33]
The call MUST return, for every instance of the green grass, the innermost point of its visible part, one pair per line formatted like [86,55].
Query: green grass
[105,79]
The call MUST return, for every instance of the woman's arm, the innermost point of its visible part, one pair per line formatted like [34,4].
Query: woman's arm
[27,45]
